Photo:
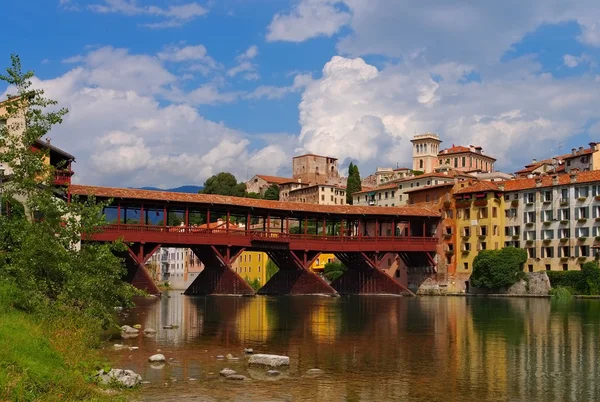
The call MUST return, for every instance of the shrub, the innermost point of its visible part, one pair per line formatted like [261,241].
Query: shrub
[584,282]
[493,269]
[334,270]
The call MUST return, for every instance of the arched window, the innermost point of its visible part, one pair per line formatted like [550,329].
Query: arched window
[420,163]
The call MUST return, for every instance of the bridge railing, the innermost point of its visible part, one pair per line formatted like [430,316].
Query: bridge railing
[257,234]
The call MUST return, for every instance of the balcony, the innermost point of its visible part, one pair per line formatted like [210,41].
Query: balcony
[62,177]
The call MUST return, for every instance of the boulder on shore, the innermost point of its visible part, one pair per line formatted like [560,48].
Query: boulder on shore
[157,358]
[269,360]
[227,372]
[126,378]
[126,329]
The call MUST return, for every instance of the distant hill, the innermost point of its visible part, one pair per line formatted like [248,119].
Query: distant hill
[182,189]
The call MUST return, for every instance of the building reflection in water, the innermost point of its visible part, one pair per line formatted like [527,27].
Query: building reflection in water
[379,348]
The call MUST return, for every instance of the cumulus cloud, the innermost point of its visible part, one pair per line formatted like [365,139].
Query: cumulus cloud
[356,111]
[123,134]
[308,19]
[245,64]
[173,16]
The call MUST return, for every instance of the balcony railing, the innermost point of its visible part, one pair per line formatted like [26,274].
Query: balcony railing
[62,177]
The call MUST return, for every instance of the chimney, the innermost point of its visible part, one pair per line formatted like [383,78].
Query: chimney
[594,146]
[538,182]
[573,150]
[555,180]
[533,161]
[48,139]
[580,149]
[573,177]
[501,186]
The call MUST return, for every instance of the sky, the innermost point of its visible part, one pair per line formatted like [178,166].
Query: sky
[169,92]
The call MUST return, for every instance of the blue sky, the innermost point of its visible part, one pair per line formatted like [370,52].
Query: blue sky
[169,92]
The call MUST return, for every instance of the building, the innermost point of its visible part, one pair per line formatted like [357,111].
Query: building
[385,175]
[393,193]
[285,188]
[260,183]
[170,264]
[480,222]
[324,194]
[466,159]
[316,169]
[252,265]
[492,176]
[582,159]
[425,152]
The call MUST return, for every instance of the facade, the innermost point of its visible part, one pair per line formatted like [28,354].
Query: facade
[324,194]
[316,169]
[252,265]
[393,193]
[171,264]
[466,159]
[385,175]
[425,151]
[287,187]
[260,183]
[582,159]
[322,259]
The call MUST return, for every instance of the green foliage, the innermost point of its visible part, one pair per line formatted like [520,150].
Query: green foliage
[224,184]
[584,282]
[334,270]
[494,269]
[561,293]
[353,183]
[40,253]
[272,269]
[272,193]
[254,284]
[173,219]
[253,195]
[417,172]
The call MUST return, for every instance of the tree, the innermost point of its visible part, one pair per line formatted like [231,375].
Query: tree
[253,195]
[41,255]
[224,184]
[494,269]
[272,269]
[334,270]
[272,193]
[353,184]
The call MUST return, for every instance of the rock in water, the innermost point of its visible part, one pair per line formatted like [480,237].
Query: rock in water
[167,327]
[126,329]
[227,372]
[249,351]
[126,378]
[314,371]
[238,377]
[269,360]
[157,358]
[149,331]
[273,372]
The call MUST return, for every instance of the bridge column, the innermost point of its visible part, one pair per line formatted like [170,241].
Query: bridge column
[137,274]
[217,277]
[295,276]
[364,276]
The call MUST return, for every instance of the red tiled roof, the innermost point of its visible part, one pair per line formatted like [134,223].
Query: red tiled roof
[224,201]
[454,150]
[319,185]
[274,179]
[318,156]
[382,187]
[414,190]
[587,151]
[548,161]
[479,186]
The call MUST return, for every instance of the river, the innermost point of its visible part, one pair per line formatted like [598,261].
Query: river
[368,348]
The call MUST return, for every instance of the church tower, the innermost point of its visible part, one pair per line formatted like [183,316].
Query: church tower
[425,152]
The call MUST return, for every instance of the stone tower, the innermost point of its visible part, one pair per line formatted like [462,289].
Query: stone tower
[425,152]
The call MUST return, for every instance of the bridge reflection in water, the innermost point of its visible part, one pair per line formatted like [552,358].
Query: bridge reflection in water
[373,348]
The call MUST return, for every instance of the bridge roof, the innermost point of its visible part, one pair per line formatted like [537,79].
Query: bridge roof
[225,201]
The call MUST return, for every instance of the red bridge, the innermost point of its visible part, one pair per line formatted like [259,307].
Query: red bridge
[292,235]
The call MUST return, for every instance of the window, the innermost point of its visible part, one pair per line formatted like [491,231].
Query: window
[494,212]
[427,198]
[595,211]
[449,214]
[564,251]
[529,217]
[564,233]
[482,245]
[529,198]
[582,232]
[547,267]
[595,188]
[386,195]
[582,213]
[530,267]
[467,214]
[596,231]
[466,265]
[564,194]
[455,162]
[483,231]
[399,186]
[581,192]
[511,213]
[547,252]
[393,194]
[547,216]
[547,234]
[564,214]
[583,251]
[466,246]
[464,161]
[531,252]
[322,197]
[483,213]
[565,267]
[547,196]
[529,235]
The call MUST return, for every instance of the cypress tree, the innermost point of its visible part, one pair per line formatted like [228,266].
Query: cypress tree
[353,184]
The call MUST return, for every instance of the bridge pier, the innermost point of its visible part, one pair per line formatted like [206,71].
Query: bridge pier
[364,277]
[135,260]
[294,276]
[218,278]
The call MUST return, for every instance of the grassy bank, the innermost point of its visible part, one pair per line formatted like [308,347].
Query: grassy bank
[48,356]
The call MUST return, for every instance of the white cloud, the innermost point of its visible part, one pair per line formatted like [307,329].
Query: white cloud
[271,92]
[573,61]
[357,111]
[123,135]
[308,19]
[245,64]
[174,15]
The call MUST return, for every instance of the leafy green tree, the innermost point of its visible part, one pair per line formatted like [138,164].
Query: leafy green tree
[353,183]
[272,269]
[253,195]
[42,255]
[224,184]
[494,269]
[254,283]
[272,193]
[334,270]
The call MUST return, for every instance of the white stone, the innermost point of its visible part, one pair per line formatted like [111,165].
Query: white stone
[227,372]
[314,371]
[126,378]
[119,346]
[273,372]
[269,360]
[149,331]
[157,358]
[129,330]
[249,351]
[133,348]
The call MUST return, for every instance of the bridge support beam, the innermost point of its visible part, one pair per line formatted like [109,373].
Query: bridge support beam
[364,277]
[294,276]
[135,260]
[217,277]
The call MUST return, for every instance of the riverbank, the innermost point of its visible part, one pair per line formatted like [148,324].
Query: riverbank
[50,356]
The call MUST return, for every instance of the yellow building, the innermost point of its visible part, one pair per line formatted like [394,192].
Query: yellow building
[252,265]
[322,259]
[479,222]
